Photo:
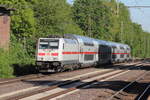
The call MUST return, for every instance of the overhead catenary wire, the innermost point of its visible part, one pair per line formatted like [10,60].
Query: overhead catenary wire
[139,7]
[145,40]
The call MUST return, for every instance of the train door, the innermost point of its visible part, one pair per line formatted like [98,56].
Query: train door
[117,53]
[114,51]
[109,54]
[125,53]
[101,54]
[122,54]
[105,54]
[81,56]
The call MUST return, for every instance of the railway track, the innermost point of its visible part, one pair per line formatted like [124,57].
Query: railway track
[57,84]
[62,87]
[144,91]
[81,86]
[116,95]
[33,76]
[144,94]
[21,78]
[27,77]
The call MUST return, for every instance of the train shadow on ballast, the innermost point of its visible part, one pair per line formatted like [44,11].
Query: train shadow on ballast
[124,67]
[109,85]
[20,70]
[137,88]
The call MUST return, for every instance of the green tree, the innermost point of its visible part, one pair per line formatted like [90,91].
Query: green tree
[93,17]
[22,31]
[54,17]
[22,21]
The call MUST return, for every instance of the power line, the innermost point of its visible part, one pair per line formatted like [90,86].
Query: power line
[142,6]
[145,38]
[136,6]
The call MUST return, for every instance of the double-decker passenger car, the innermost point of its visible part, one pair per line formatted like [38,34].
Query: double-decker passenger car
[74,51]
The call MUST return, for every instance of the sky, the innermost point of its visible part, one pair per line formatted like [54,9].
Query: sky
[138,15]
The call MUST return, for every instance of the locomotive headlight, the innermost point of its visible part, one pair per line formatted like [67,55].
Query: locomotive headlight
[54,59]
[41,58]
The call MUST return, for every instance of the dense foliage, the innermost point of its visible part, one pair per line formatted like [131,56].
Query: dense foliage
[54,17]
[109,20]
[102,19]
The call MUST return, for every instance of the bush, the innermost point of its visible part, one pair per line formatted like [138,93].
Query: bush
[16,61]
[5,69]
[21,62]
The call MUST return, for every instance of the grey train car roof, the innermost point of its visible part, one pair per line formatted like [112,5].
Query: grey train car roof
[117,44]
[91,40]
[85,39]
[102,42]
[78,37]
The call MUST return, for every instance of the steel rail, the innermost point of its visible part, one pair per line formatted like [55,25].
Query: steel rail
[34,76]
[81,86]
[143,94]
[21,78]
[56,85]
[59,85]
[125,87]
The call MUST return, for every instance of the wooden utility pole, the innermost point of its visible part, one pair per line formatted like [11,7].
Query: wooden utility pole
[138,6]
[121,33]
[145,45]
[90,22]
[89,25]
[148,46]
[122,24]
[117,8]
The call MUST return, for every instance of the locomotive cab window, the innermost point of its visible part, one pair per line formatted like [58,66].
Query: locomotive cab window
[48,44]
[53,44]
[43,46]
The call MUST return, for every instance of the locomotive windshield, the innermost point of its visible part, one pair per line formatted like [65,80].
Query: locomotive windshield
[48,44]
[43,46]
[53,44]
